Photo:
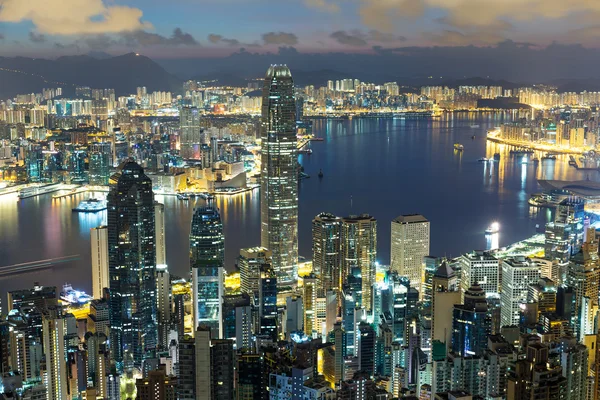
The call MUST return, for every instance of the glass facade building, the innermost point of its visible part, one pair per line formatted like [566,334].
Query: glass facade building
[279,175]
[132,265]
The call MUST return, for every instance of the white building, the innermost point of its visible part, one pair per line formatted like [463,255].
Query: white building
[480,267]
[517,274]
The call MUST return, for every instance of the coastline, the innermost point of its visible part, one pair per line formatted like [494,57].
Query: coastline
[536,146]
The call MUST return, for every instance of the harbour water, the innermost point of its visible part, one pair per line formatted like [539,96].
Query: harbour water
[385,167]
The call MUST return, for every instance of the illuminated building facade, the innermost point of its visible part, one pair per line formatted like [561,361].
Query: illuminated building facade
[132,265]
[207,255]
[279,177]
[326,246]
[410,246]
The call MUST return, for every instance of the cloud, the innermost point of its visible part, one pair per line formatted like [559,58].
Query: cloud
[215,39]
[360,38]
[456,38]
[343,37]
[288,39]
[98,42]
[323,5]
[37,37]
[143,38]
[73,17]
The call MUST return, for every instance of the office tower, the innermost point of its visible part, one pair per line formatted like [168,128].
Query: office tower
[518,274]
[326,247]
[56,356]
[132,265]
[267,300]
[279,176]
[445,295]
[186,365]
[294,316]
[565,235]
[471,323]
[359,251]
[432,264]
[97,362]
[159,227]
[222,358]
[99,241]
[163,304]
[250,262]
[207,254]
[190,134]
[158,385]
[410,245]
[366,348]
[238,320]
[557,245]
[100,161]
[202,365]
[310,305]
[480,268]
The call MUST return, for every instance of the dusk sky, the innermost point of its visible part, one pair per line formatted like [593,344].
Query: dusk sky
[213,28]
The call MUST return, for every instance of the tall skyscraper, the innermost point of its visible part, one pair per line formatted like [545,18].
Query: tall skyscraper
[326,247]
[190,135]
[279,176]
[99,241]
[132,265]
[410,245]
[207,254]
[250,262]
[56,356]
[359,251]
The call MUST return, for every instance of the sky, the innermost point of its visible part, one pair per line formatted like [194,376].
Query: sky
[217,28]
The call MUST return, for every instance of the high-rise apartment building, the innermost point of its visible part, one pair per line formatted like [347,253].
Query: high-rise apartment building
[207,254]
[54,349]
[326,247]
[279,176]
[190,135]
[410,245]
[99,241]
[132,265]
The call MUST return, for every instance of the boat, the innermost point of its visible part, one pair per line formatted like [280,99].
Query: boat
[497,156]
[305,151]
[475,126]
[320,173]
[483,159]
[459,147]
[535,160]
[73,296]
[493,228]
[317,139]
[91,205]
[183,196]
[473,137]
[549,156]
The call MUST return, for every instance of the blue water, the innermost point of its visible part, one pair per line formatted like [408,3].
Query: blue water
[384,167]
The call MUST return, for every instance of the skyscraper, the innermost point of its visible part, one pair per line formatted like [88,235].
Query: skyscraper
[54,348]
[359,251]
[410,245]
[279,176]
[132,265]
[517,275]
[190,133]
[326,241]
[207,254]
[99,240]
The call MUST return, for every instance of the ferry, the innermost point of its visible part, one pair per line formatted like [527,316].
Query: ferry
[493,228]
[459,147]
[91,205]
[183,196]
[38,190]
[475,126]
[73,296]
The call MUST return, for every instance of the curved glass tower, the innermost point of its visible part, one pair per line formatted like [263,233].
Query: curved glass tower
[279,175]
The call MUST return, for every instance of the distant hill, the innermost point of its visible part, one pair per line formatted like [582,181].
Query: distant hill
[122,73]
